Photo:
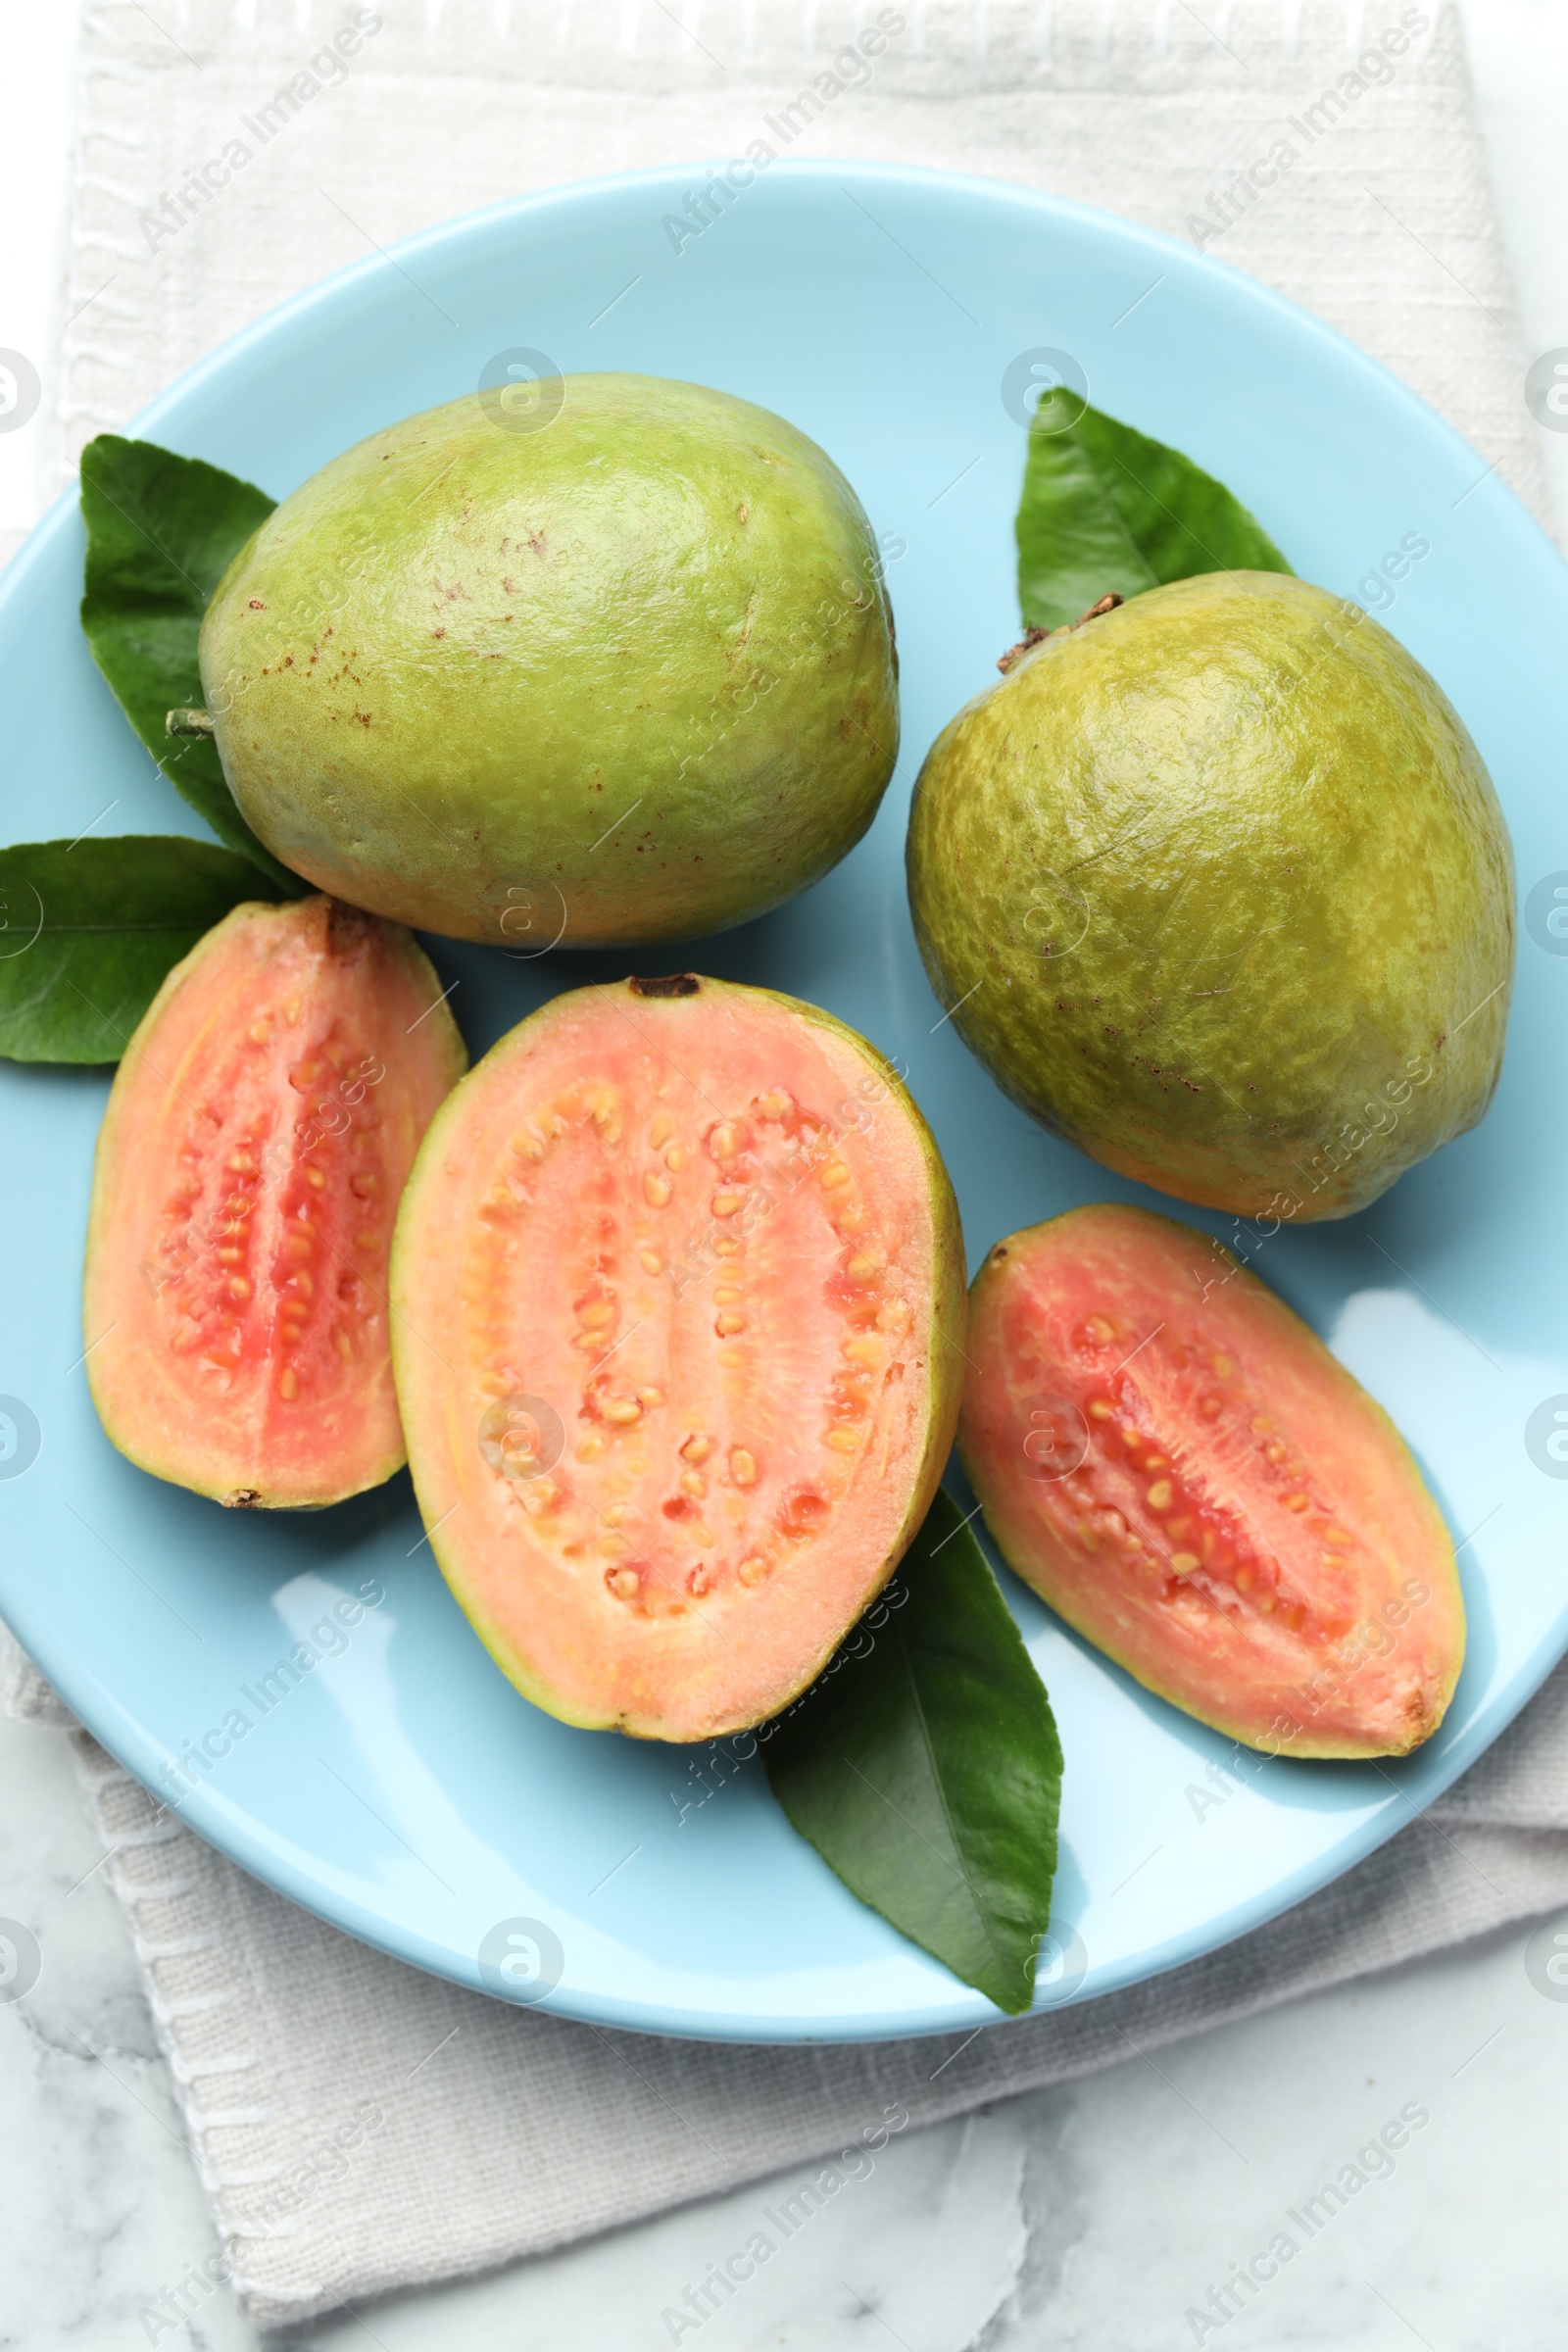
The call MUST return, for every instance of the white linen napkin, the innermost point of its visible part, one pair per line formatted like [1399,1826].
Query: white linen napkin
[357,2126]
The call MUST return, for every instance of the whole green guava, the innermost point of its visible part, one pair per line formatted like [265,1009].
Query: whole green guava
[613,666]
[1218,888]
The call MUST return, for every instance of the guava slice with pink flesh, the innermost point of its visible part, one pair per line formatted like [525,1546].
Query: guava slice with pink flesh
[1179,1466]
[258,1135]
[679,1292]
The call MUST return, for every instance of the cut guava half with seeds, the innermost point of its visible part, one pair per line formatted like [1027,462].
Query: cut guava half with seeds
[1179,1466]
[257,1134]
[679,1290]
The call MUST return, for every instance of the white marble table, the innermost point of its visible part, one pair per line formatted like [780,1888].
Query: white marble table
[1088,2219]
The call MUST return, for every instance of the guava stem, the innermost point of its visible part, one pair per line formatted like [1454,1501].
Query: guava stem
[189,722]
[1026,643]
[674,984]
[1034,636]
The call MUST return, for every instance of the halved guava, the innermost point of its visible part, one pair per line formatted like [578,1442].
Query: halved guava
[258,1135]
[679,1292]
[1177,1464]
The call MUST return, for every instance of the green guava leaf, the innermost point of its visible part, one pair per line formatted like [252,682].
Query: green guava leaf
[1106,509]
[89,928]
[924,1766]
[162,531]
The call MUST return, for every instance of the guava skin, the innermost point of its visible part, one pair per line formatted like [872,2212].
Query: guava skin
[627,676]
[1232,891]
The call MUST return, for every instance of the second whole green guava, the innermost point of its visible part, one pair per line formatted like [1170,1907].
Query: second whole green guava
[612,664]
[1218,888]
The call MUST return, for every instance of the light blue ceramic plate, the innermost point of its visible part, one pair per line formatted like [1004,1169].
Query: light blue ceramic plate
[403,1788]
